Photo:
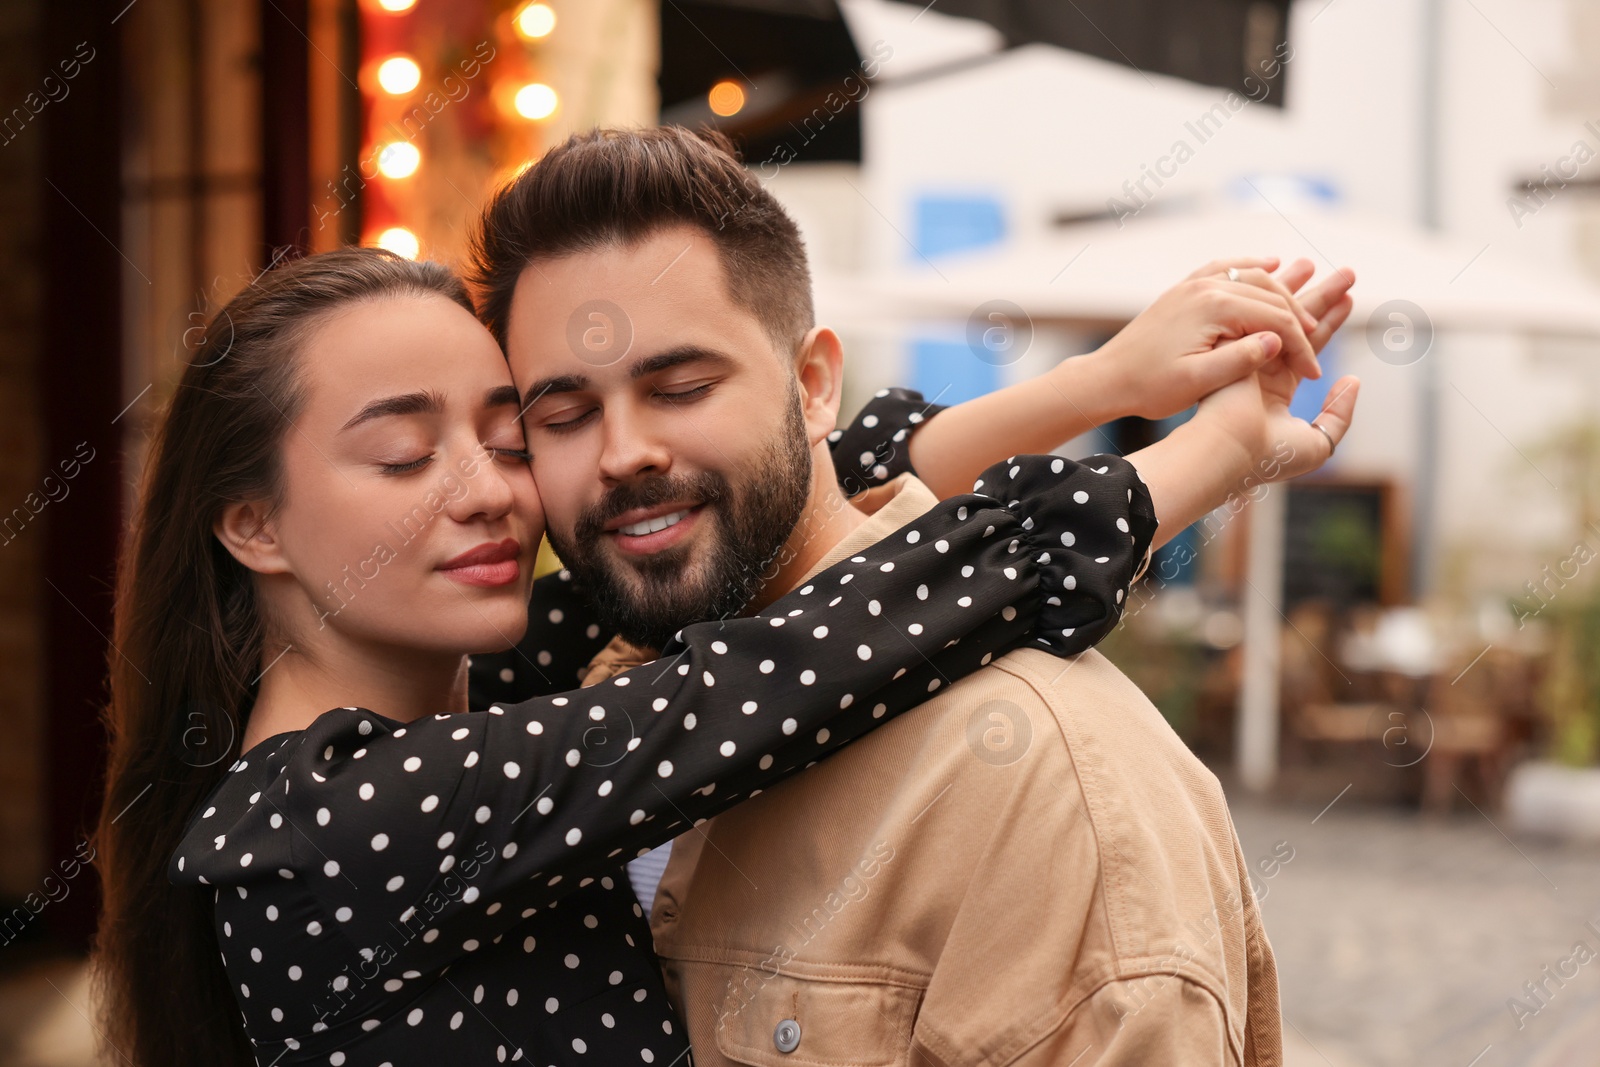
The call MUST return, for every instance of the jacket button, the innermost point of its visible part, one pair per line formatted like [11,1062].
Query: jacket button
[787,1036]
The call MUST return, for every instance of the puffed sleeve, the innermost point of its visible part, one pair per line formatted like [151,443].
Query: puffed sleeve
[455,826]
[564,633]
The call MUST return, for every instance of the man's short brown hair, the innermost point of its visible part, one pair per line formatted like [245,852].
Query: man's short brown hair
[621,186]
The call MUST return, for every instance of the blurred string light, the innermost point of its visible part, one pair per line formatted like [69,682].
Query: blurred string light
[535,21]
[536,101]
[726,98]
[400,241]
[397,6]
[398,75]
[399,159]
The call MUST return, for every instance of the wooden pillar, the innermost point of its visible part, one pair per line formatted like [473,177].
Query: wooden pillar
[285,125]
[83,270]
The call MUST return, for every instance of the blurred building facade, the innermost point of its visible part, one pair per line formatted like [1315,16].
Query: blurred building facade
[155,157]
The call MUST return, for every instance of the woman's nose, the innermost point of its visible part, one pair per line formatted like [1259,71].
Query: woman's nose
[486,487]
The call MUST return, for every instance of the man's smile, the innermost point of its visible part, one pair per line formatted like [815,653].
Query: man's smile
[643,531]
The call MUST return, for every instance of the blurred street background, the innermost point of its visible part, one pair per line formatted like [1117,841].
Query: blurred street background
[1394,664]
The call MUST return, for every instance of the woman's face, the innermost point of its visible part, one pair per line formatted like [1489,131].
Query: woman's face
[409,516]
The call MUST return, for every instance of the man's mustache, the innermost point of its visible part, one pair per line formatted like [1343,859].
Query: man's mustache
[706,487]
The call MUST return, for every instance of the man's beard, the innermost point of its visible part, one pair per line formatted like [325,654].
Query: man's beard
[650,598]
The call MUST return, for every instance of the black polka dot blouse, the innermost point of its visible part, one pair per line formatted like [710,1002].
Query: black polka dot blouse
[451,890]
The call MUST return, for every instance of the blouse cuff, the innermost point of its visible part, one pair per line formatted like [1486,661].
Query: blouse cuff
[1091,536]
[874,449]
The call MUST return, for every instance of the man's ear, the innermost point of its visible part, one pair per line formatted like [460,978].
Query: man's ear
[246,532]
[819,365]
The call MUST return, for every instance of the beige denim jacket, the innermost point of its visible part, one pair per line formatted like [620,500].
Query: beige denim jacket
[1031,868]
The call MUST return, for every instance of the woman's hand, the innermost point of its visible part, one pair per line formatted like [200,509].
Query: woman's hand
[1199,335]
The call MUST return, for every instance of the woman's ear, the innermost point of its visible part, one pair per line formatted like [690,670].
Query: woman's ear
[246,532]
[819,365]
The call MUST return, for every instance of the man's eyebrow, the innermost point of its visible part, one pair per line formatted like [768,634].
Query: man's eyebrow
[423,403]
[675,356]
[577,383]
[560,383]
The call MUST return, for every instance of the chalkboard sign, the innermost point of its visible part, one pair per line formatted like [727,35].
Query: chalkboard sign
[1341,544]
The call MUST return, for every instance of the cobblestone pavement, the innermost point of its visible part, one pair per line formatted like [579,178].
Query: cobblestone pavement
[1401,939]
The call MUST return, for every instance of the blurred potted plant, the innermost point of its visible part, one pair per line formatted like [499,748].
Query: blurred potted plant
[1561,795]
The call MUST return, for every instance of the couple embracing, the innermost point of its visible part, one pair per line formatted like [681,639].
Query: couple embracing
[846,673]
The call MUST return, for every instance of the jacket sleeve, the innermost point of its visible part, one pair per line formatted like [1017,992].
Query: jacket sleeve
[564,633]
[452,822]
[1155,1018]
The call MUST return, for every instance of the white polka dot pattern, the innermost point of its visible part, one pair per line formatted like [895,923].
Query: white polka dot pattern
[431,875]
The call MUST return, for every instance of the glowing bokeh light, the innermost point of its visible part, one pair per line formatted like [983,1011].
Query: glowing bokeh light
[399,75]
[726,98]
[536,20]
[399,160]
[536,101]
[400,241]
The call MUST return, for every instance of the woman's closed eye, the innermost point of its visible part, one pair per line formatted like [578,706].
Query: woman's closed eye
[407,466]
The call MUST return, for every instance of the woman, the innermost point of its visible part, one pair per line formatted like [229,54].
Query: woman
[341,480]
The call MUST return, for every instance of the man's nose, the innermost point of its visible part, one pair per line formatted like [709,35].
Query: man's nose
[631,447]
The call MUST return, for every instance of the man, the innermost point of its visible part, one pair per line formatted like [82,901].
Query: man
[1029,869]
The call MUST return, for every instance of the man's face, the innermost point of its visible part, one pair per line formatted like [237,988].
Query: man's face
[668,439]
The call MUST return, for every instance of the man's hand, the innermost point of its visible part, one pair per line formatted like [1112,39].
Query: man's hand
[1198,337]
[1242,435]
[1253,414]
[1207,331]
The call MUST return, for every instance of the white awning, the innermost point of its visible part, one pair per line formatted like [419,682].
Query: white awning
[1097,275]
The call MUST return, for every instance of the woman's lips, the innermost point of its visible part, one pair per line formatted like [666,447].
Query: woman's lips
[491,564]
[485,574]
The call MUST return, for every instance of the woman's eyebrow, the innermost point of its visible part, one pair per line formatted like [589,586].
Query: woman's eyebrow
[502,395]
[422,403]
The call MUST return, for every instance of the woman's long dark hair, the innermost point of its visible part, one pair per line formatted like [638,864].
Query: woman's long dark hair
[187,649]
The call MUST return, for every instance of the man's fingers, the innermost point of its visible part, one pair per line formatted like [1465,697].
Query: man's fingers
[1220,266]
[1339,408]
